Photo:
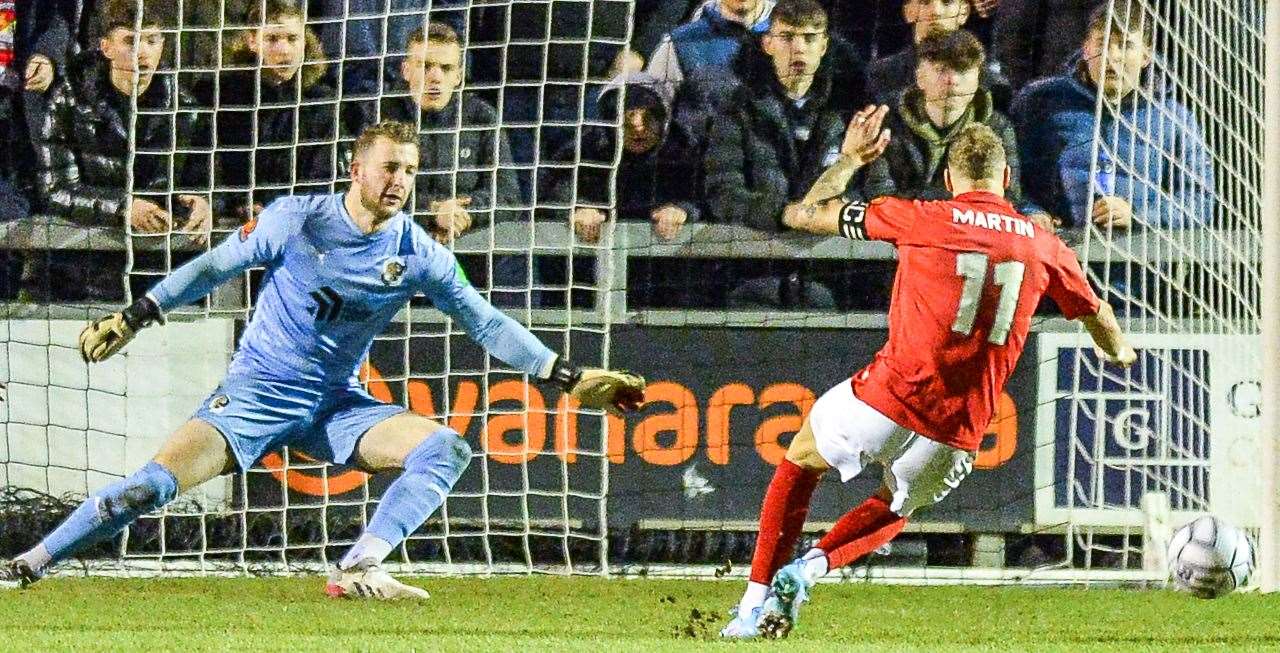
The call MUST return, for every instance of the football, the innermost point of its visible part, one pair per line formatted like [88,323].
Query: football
[1209,558]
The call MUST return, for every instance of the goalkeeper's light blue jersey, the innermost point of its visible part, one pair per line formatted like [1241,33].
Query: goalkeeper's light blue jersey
[329,290]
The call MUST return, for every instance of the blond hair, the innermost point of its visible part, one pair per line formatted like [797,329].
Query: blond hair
[977,154]
[400,133]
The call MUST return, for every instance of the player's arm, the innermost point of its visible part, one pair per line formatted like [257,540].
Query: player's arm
[256,243]
[1070,290]
[507,340]
[1107,335]
[864,142]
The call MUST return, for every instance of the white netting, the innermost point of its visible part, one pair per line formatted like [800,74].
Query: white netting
[533,497]
[1176,432]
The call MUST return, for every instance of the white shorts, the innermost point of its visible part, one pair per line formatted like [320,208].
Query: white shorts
[850,434]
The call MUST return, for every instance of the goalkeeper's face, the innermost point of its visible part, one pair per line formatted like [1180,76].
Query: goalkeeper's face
[383,176]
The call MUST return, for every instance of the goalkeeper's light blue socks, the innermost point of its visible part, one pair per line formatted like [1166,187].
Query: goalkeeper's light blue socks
[104,514]
[430,472]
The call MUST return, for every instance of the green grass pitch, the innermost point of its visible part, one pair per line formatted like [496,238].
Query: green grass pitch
[593,614]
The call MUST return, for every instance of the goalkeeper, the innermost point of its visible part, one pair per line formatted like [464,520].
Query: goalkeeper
[338,268]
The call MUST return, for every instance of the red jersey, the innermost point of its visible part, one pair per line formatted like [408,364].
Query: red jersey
[970,273]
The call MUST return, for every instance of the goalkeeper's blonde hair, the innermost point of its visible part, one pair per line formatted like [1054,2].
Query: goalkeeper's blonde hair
[400,133]
[977,154]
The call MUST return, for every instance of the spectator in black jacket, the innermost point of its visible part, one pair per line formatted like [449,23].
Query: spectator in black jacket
[83,149]
[276,119]
[779,133]
[1037,38]
[465,172]
[888,76]
[925,118]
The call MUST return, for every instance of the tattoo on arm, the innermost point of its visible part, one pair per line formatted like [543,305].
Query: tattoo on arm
[833,180]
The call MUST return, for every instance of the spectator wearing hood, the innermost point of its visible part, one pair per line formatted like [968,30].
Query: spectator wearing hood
[945,99]
[464,171]
[657,173]
[779,132]
[889,76]
[656,182]
[1036,38]
[1154,165]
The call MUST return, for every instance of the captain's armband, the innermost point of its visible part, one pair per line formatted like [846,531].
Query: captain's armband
[853,217]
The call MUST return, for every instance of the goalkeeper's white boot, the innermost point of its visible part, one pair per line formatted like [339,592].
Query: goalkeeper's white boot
[367,580]
[17,574]
[789,590]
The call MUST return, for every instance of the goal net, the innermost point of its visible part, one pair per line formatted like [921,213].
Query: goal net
[1138,453]
[244,124]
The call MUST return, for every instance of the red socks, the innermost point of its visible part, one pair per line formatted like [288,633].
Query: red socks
[859,532]
[786,504]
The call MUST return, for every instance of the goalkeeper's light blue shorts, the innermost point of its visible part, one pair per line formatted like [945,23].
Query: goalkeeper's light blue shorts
[257,416]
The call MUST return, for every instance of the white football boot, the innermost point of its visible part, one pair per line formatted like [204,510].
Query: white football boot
[367,580]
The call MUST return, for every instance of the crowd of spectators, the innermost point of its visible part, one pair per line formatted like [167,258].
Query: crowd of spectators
[730,112]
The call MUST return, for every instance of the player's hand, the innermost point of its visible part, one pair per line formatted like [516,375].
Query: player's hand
[147,216]
[668,220]
[984,8]
[613,390]
[39,73]
[1045,221]
[1112,211]
[588,223]
[864,140]
[105,336]
[200,224]
[450,217]
[1123,358]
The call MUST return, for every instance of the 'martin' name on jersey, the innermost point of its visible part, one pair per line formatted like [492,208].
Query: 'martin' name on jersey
[995,221]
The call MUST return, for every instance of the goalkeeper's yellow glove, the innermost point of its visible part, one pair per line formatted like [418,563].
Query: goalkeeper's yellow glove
[613,390]
[105,336]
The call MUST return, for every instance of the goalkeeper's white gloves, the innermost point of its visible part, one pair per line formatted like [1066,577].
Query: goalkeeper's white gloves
[105,336]
[612,390]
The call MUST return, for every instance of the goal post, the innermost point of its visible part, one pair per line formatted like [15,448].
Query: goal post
[1269,540]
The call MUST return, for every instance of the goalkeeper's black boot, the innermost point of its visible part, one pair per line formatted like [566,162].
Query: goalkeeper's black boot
[17,574]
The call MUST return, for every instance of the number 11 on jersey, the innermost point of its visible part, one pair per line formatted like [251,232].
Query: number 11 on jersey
[972,267]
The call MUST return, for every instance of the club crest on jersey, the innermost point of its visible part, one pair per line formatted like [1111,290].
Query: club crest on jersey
[218,403]
[393,271]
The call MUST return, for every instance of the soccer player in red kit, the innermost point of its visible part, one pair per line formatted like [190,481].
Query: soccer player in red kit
[971,272]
